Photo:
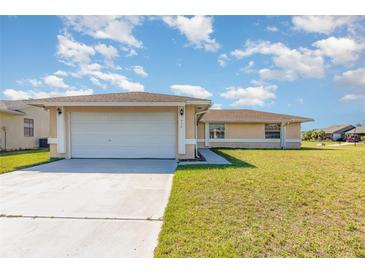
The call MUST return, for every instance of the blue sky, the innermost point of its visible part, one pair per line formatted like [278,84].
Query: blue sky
[306,65]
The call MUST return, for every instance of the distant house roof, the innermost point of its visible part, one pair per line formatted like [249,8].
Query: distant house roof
[359,129]
[14,106]
[122,97]
[249,116]
[339,129]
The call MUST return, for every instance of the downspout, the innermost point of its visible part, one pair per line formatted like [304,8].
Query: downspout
[196,130]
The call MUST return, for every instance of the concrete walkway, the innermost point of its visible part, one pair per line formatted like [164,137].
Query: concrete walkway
[210,157]
[84,208]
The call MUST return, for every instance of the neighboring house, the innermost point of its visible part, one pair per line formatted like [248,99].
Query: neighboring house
[359,131]
[337,132]
[242,128]
[152,125]
[21,124]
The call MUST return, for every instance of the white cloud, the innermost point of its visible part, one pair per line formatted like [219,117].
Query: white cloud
[61,73]
[217,106]
[354,81]
[96,82]
[351,97]
[130,52]
[121,81]
[290,63]
[54,81]
[192,91]
[117,28]
[341,50]
[272,29]
[222,59]
[73,52]
[284,75]
[197,29]
[251,96]
[354,78]
[249,67]
[300,101]
[140,71]
[322,24]
[24,95]
[108,52]
[35,83]
[13,94]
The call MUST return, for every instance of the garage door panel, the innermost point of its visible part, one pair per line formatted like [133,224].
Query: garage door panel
[123,135]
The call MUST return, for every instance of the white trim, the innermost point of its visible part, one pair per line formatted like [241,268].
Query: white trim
[181,130]
[190,141]
[52,140]
[121,104]
[298,140]
[60,131]
[244,140]
[199,103]
[69,155]
[249,140]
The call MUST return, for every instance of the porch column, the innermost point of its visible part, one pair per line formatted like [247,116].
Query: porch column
[206,134]
[60,130]
[181,129]
[283,136]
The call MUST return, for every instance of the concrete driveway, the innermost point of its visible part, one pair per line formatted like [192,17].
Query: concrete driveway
[84,208]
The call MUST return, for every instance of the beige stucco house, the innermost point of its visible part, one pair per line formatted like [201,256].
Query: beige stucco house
[152,125]
[242,128]
[21,124]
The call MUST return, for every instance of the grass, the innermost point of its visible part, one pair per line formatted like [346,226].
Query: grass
[11,161]
[269,203]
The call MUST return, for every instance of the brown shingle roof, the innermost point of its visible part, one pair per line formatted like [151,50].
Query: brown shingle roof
[338,129]
[249,116]
[14,106]
[124,97]
[359,129]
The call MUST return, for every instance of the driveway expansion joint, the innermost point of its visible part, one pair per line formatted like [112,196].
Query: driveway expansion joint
[80,218]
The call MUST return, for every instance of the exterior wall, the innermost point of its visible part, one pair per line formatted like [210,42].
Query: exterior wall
[189,125]
[245,131]
[189,133]
[254,132]
[14,125]
[293,131]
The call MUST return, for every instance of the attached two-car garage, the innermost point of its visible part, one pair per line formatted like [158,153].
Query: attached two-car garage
[123,134]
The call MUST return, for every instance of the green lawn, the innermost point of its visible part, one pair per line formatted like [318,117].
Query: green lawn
[269,203]
[11,161]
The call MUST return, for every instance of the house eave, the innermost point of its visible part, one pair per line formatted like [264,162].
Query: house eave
[14,112]
[120,104]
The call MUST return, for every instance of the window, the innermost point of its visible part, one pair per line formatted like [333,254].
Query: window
[272,131]
[216,131]
[28,127]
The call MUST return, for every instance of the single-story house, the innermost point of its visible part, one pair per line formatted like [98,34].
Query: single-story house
[152,125]
[359,131]
[22,124]
[243,128]
[337,132]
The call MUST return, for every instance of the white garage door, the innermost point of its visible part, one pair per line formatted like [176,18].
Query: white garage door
[123,135]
